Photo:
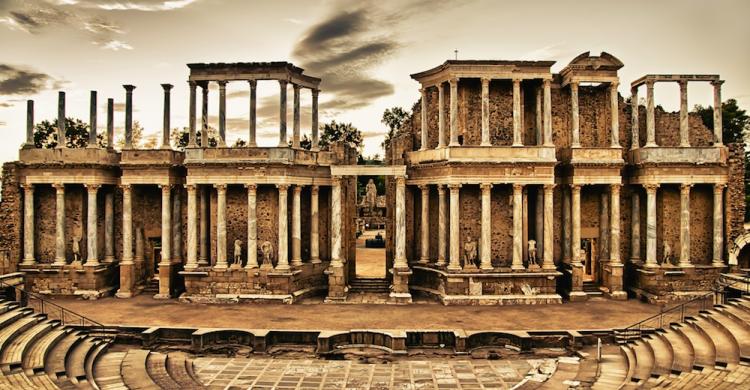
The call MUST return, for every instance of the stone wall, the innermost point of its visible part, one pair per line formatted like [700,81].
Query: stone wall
[735,194]
[11,219]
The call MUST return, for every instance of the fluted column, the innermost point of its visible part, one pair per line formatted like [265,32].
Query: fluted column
[718,252]
[517,130]
[651,260]
[93,144]
[685,225]
[204,114]
[423,119]
[252,226]
[454,112]
[574,119]
[314,121]
[566,224]
[127,226]
[167,116]
[177,226]
[282,114]
[109,226]
[614,224]
[192,226]
[400,259]
[486,112]
[336,260]
[61,140]
[684,124]
[539,221]
[166,225]
[296,226]
[251,142]
[614,109]
[205,215]
[634,132]
[295,117]
[191,122]
[59,224]
[28,225]
[650,119]
[718,128]
[441,116]
[222,113]
[548,262]
[221,226]
[92,230]
[575,244]
[442,225]
[454,262]
[128,116]
[485,249]
[424,226]
[635,227]
[604,225]
[29,144]
[283,257]
[517,227]
[547,113]
[314,225]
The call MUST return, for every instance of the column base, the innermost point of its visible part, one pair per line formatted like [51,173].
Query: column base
[28,263]
[58,263]
[452,267]
[281,267]
[441,263]
[316,261]
[718,264]
[109,259]
[685,265]
[617,295]
[485,144]
[486,267]
[220,266]
[165,281]
[296,263]
[651,265]
[578,296]
[123,294]
[92,263]
[251,266]
[518,267]
[424,261]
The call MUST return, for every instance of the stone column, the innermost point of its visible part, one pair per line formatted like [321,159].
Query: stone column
[517,130]
[547,113]
[442,224]
[252,227]
[251,142]
[574,120]
[454,262]
[685,225]
[517,227]
[614,224]
[454,112]
[93,144]
[399,261]
[718,258]
[539,221]
[109,226]
[441,116]
[538,111]
[575,244]
[59,224]
[92,230]
[486,112]
[29,144]
[566,225]
[283,258]
[192,227]
[604,226]
[166,225]
[485,249]
[718,128]
[634,132]
[129,116]
[424,226]
[296,226]
[314,123]
[110,123]
[684,124]
[295,129]
[336,260]
[204,114]
[221,226]
[177,226]
[650,119]
[205,215]
[222,113]
[614,109]
[651,225]
[423,119]
[314,225]
[167,116]
[127,274]
[191,135]
[282,114]
[635,227]
[548,261]
[61,140]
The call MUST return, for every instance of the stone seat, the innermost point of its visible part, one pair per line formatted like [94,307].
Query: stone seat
[10,332]
[180,368]
[12,356]
[75,361]
[92,357]
[613,369]
[156,364]
[16,381]
[107,371]
[727,351]
[736,328]
[682,351]
[644,361]
[134,372]
[54,363]
[12,315]
[663,354]
[33,360]
[703,348]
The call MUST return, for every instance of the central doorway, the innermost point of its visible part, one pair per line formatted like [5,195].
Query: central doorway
[371,233]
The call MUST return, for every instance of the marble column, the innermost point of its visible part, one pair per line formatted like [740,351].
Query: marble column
[314,121]
[295,117]
[454,261]
[486,112]
[517,227]
[205,215]
[110,123]
[538,111]
[517,125]
[548,261]
[441,116]
[574,119]
[614,109]
[566,225]
[442,225]
[166,225]
[296,226]
[453,112]
[127,267]
[59,224]
[399,261]
[424,225]
[718,128]
[61,140]
[650,119]
[167,117]
[575,237]
[92,230]
[651,260]
[336,260]
[204,114]
[635,227]
[251,142]
[314,225]
[191,121]
[718,252]
[614,224]
[222,113]
[485,249]
[283,257]
[423,119]
[128,116]
[282,114]
[221,226]
[109,226]
[539,221]
[684,123]
[192,227]
[252,226]
[28,225]
[29,144]
[93,142]
[604,225]
[634,132]
[685,225]
[177,226]
[547,113]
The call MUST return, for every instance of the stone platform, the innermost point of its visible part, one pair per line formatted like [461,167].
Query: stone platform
[671,283]
[72,279]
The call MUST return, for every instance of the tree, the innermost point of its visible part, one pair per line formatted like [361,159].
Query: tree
[239,143]
[76,134]
[136,136]
[180,138]
[735,121]
[394,118]
[340,132]
[304,142]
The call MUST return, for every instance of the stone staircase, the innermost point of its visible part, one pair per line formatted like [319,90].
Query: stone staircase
[369,285]
[41,353]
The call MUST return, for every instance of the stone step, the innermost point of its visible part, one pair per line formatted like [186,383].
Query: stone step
[7,318]
[75,362]
[6,306]
[91,359]
[54,363]
[663,354]
[33,361]
[736,329]
[613,369]
[631,359]
[727,350]
[42,381]
[156,364]
[16,381]
[704,351]
[683,355]
[644,361]
[180,368]
[588,368]
[134,372]
[11,358]
[10,332]
[107,371]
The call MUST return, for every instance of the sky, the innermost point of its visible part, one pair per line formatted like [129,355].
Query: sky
[363,50]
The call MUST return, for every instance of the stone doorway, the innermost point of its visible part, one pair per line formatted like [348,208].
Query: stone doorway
[370,221]
[590,247]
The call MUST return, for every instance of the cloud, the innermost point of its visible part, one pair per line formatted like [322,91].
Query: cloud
[5,105]
[138,5]
[16,80]
[33,19]
[115,45]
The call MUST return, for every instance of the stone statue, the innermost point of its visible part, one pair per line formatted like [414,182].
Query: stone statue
[532,253]
[526,289]
[371,195]
[667,258]
[76,244]
[470,252]
[237,254]
[266,249]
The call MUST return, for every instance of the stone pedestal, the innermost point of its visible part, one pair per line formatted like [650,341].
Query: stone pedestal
[612,281]
[166,276]
[400,287]
[90,282]
[336,283]
[668,284]
[127,273]
[576,276]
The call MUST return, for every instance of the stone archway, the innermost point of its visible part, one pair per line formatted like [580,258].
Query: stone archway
[736,248]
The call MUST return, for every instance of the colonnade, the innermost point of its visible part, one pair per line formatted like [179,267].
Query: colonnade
[614,115]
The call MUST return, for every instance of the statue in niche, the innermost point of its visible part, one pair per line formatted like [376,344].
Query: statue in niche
[76,246]
[667,258]
[470,252]
[237,263]
[532,253]
[266,249]
[526,289]
[371,195]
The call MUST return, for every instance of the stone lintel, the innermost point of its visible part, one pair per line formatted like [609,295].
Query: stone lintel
[674,78]
[484,154]
[368,170]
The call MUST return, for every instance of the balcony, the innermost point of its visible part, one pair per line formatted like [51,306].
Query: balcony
[707,155]
[484,154]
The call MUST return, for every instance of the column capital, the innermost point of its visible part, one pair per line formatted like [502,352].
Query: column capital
[549,187]
[453,81]
[220,187]
[315,189]
[423,187]
[126,188]
[58,186]
[283,83]
[634,92]
[251,186]
[298,188]
[517,187]
[314,91]
[27,187]
[253,83]
[222,84]
[336,180]
[296,87]
[719,188]
[282,187]
[453,187]
[685,187]
[401,180]
[192,84]
[517,80]
[574,84]
[615,187]
[128,88]
[191,187]
[165,187]
[485,81]
[485,186]
[575,187]
[440,187]
[614,84]
[167,87]
[682,83]
[650,84]
[651,187]
[546,82]
[717,83]
[92,187]
[203,85]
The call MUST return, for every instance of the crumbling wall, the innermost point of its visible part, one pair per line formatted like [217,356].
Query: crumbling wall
[11,219]
[735,194]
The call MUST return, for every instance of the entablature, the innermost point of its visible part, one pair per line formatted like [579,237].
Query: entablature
[69,156]
[446,173]
[693,155]
[592,156]
[263,155]
[484,154]
[487,69]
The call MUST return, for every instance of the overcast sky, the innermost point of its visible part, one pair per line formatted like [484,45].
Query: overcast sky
[364,51]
